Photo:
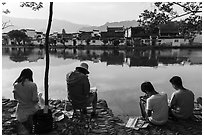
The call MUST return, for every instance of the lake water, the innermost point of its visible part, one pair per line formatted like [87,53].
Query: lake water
[117,74]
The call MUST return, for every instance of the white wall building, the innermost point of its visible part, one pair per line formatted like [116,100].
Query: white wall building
[198,38]
[30,33]
[172,41]
[69,42]
[96,42]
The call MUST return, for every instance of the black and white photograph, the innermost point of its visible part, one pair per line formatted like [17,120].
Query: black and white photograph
[101,67]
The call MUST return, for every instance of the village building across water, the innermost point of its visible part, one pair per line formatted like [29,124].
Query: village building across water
[164,35]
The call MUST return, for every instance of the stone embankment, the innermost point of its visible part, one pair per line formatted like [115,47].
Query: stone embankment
[104,124]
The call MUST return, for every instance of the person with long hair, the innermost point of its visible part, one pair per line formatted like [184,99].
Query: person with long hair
[156,109]
[25,92]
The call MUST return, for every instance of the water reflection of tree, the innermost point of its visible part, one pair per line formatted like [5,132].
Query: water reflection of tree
[19,54]
[152,58]
[22,54]
[5,51]
[136,57]
[74,51]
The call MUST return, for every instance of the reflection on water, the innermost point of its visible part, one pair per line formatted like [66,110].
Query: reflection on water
[23,54]
[133,58]
[117,74]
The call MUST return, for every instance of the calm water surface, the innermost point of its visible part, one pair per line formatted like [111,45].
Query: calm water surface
[116,74]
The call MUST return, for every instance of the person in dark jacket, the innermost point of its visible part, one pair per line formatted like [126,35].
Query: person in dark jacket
[78,88]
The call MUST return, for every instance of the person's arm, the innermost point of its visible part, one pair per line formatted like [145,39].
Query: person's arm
[14,93]
[86,86]
[67,78]
[148,108]
[149,112]
[172,103]
[35,94]
[142,107]
[143,99]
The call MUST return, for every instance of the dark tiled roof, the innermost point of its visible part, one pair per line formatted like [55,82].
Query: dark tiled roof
[169,28]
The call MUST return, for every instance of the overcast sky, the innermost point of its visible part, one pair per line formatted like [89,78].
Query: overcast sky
[90,13]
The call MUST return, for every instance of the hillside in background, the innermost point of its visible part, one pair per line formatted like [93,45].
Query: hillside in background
[126,24]
[41,24]
[58,25]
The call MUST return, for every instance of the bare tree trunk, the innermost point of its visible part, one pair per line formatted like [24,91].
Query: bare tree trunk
[47,57]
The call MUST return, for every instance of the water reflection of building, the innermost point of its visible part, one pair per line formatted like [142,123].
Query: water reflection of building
[143,58]
[193,57]
[113,58]
[173,56]
[171,60]
[62,53]
[91,55]
[194,60]
[143,61]
[132,58]
[153,58]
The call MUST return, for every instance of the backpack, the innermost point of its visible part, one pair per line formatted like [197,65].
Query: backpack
[42,122]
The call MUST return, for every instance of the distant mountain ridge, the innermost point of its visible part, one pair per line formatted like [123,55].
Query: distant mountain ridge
[126,24]
[41,24]
[58,25]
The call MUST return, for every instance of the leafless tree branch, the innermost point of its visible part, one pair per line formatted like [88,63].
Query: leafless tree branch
[178,16]
[6,25]
[185,7]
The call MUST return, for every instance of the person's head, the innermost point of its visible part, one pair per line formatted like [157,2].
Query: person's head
[25,74]
[83,68]
[176,82]
[147,88]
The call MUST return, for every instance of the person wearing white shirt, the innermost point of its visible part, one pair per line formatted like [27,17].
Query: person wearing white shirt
[156,110]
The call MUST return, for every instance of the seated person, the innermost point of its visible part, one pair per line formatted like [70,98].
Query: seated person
[182,100]
[156,105]
[78,88]
[25,92]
